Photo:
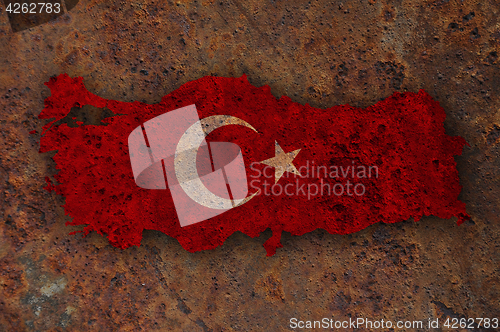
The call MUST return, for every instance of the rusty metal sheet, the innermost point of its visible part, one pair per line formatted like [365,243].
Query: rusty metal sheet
[318,52]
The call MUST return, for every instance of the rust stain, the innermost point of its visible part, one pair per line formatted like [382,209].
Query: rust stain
[271,288]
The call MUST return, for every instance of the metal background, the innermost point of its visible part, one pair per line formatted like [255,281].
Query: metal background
[317,52]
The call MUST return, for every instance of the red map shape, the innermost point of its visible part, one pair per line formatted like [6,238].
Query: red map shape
[403,136]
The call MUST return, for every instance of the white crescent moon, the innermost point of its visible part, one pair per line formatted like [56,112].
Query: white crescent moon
[185,166]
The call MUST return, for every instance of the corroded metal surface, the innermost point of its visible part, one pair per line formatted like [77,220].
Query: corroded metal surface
[317,52]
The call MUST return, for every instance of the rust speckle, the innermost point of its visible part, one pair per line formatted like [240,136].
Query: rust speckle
[271,288]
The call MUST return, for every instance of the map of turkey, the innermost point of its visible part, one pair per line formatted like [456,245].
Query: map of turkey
[340,169]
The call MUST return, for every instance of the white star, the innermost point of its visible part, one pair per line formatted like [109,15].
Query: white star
[282,162]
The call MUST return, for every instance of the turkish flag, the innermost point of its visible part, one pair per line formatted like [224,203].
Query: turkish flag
[251,160]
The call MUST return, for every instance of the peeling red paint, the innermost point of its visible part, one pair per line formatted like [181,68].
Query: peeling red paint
[403,136]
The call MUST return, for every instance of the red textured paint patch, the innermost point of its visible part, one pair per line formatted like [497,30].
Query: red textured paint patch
[402,137]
